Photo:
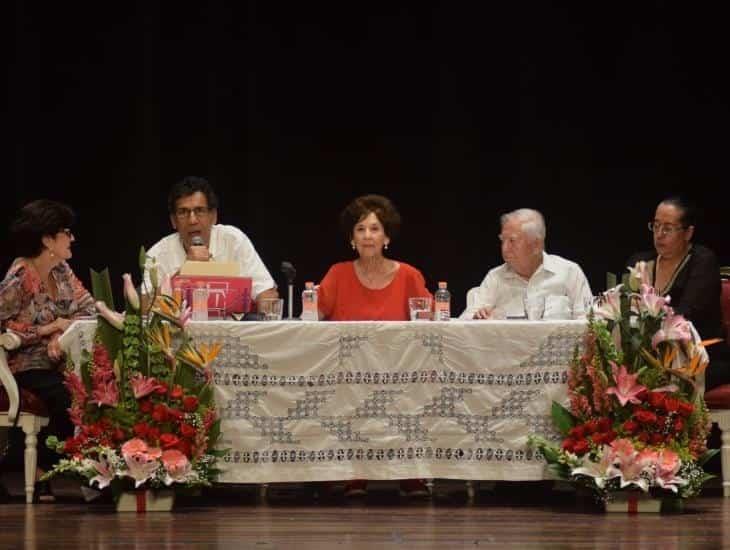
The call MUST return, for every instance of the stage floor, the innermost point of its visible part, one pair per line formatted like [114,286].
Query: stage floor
[524,516]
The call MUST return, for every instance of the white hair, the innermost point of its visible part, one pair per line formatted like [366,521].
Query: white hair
[531,221]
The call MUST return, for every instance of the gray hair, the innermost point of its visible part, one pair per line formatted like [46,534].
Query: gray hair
[532,222]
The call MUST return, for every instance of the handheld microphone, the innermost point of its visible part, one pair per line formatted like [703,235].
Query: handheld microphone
[289,272]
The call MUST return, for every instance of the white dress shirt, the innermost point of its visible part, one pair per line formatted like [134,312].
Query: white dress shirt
[561,282]
[227,244]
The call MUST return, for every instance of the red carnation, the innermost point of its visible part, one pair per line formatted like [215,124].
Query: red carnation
[73,445]
[604,424]
[176,392]
[153,434]
[609,436]
[190,403]
[119,435]
[161,388]
[686,408]
[145,406]
[159,413]
[581,447]
[643,437]
[94,430]
[671,404]
[175,414]
[189,431]
[656,399]
[630,427]
[656,439]
[645,417]
[141,429]
[168,441]
[591,426]
[678,424]
[578,432]
[641,396]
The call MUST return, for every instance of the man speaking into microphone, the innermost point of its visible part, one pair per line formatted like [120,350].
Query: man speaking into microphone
[193,208]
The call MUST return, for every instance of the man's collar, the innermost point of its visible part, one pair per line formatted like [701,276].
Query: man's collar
[548,264]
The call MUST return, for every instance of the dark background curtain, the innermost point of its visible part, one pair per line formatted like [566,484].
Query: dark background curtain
[590,113]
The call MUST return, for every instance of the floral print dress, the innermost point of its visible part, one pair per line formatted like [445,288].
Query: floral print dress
[26,304]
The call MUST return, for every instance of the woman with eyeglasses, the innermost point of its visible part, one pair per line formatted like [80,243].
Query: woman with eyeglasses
[39,298]
[690,274]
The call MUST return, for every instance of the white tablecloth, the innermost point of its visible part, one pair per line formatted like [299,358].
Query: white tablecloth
[307,401]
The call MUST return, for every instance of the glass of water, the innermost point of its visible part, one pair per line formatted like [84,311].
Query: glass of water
[420,308]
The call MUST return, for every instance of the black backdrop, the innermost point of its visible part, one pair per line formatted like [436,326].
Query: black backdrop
[590,114]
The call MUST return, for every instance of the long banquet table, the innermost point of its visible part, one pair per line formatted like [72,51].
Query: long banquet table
[315,401]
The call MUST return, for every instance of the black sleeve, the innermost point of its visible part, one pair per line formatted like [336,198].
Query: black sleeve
[701,294]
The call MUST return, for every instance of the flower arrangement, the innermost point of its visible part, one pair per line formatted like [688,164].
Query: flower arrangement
[636,418]
[143,408]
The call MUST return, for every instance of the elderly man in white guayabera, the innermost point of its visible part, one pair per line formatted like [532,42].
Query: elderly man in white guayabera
[531,283]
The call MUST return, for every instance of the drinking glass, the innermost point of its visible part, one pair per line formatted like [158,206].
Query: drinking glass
[534,307]
[271,308]
[420,308]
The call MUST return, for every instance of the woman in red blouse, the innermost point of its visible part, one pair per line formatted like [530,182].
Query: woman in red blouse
[372,287]
[39,298]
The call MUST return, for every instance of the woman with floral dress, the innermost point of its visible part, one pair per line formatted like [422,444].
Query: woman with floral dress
[39,298]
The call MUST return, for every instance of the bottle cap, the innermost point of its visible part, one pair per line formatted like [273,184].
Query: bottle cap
[442,284]
[309,284]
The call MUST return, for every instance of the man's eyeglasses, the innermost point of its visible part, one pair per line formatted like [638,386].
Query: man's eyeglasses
[199,211]
[66,231]
[664,229]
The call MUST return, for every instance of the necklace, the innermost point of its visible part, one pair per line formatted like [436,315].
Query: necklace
[374,275]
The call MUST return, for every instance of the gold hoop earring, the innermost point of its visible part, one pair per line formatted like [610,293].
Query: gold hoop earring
[353,246]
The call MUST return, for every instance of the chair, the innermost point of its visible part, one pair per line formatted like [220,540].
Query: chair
[22,409]
[725,303]
[718,399]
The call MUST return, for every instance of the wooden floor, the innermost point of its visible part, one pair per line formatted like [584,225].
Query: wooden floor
[230,519]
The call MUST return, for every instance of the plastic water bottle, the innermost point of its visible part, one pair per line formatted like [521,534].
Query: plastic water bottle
[442,303]
[200,303]
[309,302]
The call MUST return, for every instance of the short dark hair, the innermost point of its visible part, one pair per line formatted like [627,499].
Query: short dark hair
[189,185]
[687,210]
[360,207]
[36,220]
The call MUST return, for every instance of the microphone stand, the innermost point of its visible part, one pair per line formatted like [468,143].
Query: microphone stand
[289,272]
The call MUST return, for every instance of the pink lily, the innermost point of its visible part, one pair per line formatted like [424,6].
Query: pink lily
[142,461]
[650,302]
[641,463]
[610,306]
[674,327]
[600,471]
[142,386]
[622,452]
[626,388]
[115,319]
[639,276]
[177,466]
[130,293]
[106,394]
[104,471]
[667,466]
